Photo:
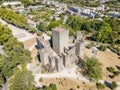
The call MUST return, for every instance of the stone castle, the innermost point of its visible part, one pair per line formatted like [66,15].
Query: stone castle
[60,51]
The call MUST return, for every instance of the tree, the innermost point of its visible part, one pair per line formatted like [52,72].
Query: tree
[115,25]
[92,68]
[53,24]
[104,35]
[14,18]
[41,27]
[26,2]
[95,24]
[51,87]
[100,85]
[75,22]
[15,54]
[111,69]
[7,34]
[86,26]
[1,79]
[23,80]
[102,47]
[113,85]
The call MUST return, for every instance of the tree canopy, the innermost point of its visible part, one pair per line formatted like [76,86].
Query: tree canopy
[23,80]
[41,27]
[53,24]
[15,53]
[92,68]
[106,31]
[13,18]
[104,34]
[81,2]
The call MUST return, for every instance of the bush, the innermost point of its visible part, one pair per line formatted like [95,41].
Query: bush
[32,30]
[116,73]
[51,87]
[11,17]
[39,33]
[41,27]
[111,69]
[43,71]
[100,85]
[117,50]
[41,80]
[118,67]
[113,85]
[53,24]
[102,47]
[111,76]
[78,86]
[90,45]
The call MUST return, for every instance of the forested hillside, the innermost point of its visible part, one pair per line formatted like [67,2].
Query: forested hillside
[15,53]
[106,31]
[14,18]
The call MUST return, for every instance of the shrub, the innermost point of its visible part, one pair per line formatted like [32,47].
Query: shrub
[100,85]
[43,71]
[15,19]
[32,30]
[111,76]
[78,86]
[51,87]
[111,69]
[53,24]
[113,85]
[116,73]
[90,45]
[118,50]
[115,49]
[39,33]
[102,47]
[118,67]
[41,80]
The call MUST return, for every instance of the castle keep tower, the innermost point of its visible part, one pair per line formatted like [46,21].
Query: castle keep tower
[60,38]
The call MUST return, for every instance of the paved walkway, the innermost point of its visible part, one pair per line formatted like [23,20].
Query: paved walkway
[68,73]
[33,46]
[21,34]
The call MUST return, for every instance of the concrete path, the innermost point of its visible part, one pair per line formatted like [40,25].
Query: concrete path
[31,48]
[21,34]
[68,73]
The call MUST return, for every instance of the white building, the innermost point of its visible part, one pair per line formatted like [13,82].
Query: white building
[114,14]
[11,3]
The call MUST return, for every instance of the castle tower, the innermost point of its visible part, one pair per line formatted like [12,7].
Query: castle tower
[60,38]
[59,64]
[66,60]
[79,35]
[79,49]
[44,57]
